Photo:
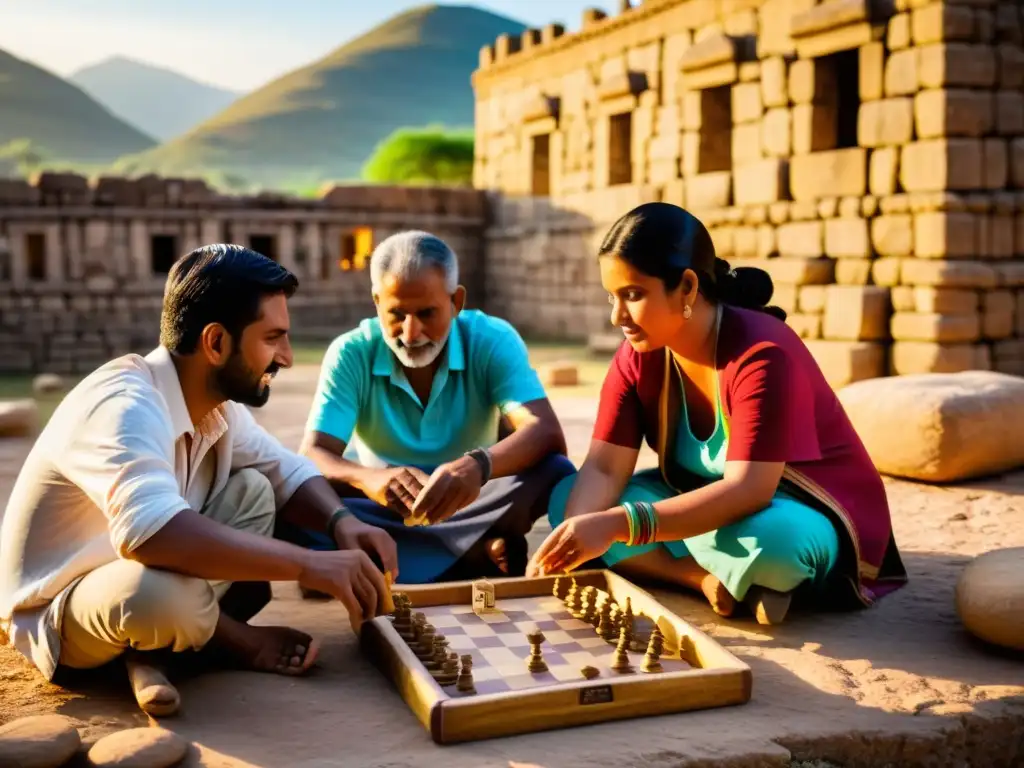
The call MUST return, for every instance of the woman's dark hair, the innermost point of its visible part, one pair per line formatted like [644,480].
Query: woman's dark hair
[663,240]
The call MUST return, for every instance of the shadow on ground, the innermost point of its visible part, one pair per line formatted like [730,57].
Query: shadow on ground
[898,684]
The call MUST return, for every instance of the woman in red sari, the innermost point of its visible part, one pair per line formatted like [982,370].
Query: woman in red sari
[763,488]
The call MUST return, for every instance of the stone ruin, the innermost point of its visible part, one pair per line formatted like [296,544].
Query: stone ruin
[868,154]
[83,263]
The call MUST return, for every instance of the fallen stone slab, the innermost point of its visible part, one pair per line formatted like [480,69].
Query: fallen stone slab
[990,597]
[18,418]
[940,427]
[41,741]
[139,748]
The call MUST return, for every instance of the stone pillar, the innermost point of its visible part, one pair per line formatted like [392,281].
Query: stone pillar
[210,231]
[54,262]
[189,237]
[19,259]
[286,246]
[139,248]
[314,251]
[73,256]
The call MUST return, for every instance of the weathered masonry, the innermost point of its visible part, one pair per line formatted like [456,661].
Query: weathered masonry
[869,155]
[83,264]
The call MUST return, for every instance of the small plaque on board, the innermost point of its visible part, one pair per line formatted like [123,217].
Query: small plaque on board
[483,597]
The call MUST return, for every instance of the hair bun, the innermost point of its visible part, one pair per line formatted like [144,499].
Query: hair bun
[747,287]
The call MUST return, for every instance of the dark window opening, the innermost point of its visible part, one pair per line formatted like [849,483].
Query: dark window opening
[541,170]
[264,244]
[163,252]
[715,130]
[837,85]
[35,250]
[620,149]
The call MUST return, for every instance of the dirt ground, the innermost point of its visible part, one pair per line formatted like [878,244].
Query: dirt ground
[898,684]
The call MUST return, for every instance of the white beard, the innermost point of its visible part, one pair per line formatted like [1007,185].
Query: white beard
[421,355]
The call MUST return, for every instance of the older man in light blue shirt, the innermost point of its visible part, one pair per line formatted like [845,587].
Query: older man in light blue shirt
[434,415]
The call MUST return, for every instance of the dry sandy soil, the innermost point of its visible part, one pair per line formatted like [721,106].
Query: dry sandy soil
[898,684]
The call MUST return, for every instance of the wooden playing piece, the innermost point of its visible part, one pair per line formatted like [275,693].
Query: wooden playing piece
[651,662]
[620,660]
[556,588]
[465,681]
[571,595]
[605,626]
[536,661]
[590,672]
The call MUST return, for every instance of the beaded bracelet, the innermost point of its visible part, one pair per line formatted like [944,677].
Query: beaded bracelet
[643,522]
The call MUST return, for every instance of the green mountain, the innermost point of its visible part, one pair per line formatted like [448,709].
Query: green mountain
[62,123]
[322,122]
[157,101]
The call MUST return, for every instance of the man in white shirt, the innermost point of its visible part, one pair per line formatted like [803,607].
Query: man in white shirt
[152,490]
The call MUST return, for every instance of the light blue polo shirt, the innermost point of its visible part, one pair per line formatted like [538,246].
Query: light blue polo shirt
[363,393]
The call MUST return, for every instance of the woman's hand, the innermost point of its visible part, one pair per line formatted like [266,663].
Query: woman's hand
[578,540]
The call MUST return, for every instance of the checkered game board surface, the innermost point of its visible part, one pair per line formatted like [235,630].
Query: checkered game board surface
[500,649]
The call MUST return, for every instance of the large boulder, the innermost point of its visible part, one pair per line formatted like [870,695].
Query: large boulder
[940,427]
[990,597]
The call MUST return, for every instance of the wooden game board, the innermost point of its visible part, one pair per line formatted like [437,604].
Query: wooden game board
[697,673]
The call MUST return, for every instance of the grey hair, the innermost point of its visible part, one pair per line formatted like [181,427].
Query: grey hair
[406,254]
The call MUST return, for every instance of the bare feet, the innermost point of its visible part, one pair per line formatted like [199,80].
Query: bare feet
[153,692]
[498,554]
[721,601]
[767,605]
[281,650]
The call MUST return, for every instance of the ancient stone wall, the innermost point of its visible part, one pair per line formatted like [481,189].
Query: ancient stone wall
[868,154]
[83,264]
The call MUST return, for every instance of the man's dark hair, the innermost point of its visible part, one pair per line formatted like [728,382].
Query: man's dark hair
[218,284]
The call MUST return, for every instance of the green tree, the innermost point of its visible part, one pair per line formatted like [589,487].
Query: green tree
[23,154]
[422,156]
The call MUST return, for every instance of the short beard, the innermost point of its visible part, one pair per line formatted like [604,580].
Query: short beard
[417,357]
[236,381]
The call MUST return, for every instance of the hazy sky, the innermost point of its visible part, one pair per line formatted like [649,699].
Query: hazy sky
[238,44]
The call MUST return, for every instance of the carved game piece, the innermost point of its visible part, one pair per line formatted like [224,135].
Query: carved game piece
[536,661]
[556,588]
[620,661]
[656,645]
[571,596]
[606,626]
[465,681]
[590,672]
[483,597]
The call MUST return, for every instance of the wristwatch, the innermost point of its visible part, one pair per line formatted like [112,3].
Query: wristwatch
[339,513]
[482,457]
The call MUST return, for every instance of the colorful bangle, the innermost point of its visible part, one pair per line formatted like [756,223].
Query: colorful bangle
[643,523]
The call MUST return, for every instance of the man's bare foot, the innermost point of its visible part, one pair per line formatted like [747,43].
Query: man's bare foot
[498,554]
[153,692]
[281,650]
[721,601]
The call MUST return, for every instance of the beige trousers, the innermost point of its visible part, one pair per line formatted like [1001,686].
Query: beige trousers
[125,605]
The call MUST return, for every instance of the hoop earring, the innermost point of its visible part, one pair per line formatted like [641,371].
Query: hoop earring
[687,312]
